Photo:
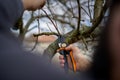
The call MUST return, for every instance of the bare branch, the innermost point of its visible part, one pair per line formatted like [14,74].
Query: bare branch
[85,11]
[45,33]
[89,10]
[36,42]
[74,36]
[79,14]
[52,21]
[98,18]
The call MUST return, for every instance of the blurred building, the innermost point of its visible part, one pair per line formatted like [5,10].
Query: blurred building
[42,43]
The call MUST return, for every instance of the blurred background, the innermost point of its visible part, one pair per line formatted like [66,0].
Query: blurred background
[79,21]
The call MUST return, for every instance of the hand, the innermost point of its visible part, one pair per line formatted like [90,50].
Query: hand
[33,4]
[81,61]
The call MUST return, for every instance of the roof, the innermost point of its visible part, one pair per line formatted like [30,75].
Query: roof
[43,38]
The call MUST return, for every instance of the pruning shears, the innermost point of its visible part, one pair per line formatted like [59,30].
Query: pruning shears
[62,45]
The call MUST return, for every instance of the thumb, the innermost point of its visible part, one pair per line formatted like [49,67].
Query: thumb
[69,48]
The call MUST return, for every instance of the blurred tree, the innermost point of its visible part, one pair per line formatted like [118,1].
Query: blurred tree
[73,14]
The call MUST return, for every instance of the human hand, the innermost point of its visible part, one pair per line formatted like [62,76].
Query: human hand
[33,4]
[81,61]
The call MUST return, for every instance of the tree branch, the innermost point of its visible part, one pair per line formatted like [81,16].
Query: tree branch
[79,14]
[46,33]
[75,36]
[98,18]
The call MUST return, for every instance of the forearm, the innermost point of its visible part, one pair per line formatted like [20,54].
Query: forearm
[33,4]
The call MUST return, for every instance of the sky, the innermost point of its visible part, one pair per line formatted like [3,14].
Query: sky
[44,22]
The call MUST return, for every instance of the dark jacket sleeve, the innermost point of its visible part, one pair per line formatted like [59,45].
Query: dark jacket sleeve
[10,11]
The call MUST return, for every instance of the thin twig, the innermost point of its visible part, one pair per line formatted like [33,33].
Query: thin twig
[85,43]
[79,14]
[85,11]
[89,10]
[51,11]
[71,7]
[36,42]
[51,21]
[49,27]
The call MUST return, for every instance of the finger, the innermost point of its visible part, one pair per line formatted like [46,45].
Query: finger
[61,57]
[62,61]
[71,47]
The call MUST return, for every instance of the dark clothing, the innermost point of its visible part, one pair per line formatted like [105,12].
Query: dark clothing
[15,64]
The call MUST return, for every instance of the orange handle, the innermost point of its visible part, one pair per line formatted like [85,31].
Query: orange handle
[73,61]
